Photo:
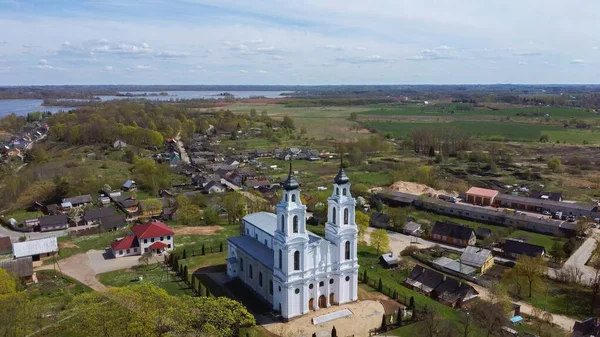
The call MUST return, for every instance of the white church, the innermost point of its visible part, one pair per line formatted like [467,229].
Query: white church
[295,270]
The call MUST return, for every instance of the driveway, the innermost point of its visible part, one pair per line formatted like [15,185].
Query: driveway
[14,235]
[399,241]
[581,256]
[84,267]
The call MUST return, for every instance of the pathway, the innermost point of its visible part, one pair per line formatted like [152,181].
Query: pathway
[566,323]
[582,255]
[84,267]
[184,156]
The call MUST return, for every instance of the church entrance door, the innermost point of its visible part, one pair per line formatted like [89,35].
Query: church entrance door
[322,301]
[331,298]
[311,304]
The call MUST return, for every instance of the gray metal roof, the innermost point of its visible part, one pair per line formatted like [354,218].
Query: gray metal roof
[254,249]
[22,267]
[475,256]
[80,199]
[455,265]
[35,247]
[543,202]
[312,237]
[412,226]
[389,258]
[265,221]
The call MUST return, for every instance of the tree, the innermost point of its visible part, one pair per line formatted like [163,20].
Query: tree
[554,164]
[557,252]
[221,247]
[211,216]
[353,116]
[362,222]
[185,276]
[187,213]
[288,123]
[399,318]
[145,258]
[379,239]
[203,252]
[411,303]
[333,332]
[383,323]
[365,277]
[8,285]
[431,151]
[432,325]
[235,206]
[397,218]
[184,254]
[527,270]
[380,285]
[489,317]
[150,176]
[466,324]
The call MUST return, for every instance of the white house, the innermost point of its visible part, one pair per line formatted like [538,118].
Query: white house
[152,237]
[37,249]
[291,268]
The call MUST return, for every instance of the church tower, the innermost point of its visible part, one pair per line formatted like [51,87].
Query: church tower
[290,243]
[342,232]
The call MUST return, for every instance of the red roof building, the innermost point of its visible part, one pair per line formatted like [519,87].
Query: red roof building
[125,243]
[151,230]
[481,196]
[158,245]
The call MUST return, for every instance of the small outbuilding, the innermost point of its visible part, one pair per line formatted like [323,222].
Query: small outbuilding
[388,260]
[36,249]
[22,268]
[481,196]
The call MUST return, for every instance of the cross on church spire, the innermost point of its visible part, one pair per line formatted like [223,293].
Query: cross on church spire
[290,183]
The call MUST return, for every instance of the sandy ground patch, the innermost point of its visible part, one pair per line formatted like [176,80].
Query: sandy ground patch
[366,315]
[67,245]
[200,230]
[414,188]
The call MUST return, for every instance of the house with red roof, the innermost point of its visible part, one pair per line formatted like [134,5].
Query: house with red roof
[151,237]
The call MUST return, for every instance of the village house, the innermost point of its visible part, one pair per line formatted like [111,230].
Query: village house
[129,185]
[93,216]
[21,268]
[214,187]
[80,200]
[514,248]
[119,144]
[379,220]
[31,222]
[126,203]
[589,327]
[481,196]
[440,287]
[152,237]
[412,228]
[388,260]
[36,249]
[479,258]
[53,222]
[453,233]
[113,222]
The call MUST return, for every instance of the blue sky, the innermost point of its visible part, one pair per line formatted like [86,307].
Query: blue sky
[298,42]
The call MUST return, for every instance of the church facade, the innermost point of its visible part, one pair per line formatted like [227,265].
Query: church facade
[294,270]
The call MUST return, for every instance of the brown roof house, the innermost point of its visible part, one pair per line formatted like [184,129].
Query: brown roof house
[5,245]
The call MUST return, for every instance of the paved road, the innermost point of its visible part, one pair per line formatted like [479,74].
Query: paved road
[581,256]
[84,267]
[14,236]
[184,156]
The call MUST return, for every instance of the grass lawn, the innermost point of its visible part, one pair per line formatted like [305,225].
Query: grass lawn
[153,273]
[479,129]
[573,136]
[193,243]
[71,246]
[564,299]
[21,215]
[195,262]
[51,285]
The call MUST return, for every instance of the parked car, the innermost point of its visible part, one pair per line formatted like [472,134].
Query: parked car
[558,215]
[546,212]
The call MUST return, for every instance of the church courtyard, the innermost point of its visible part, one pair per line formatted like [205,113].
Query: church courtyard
[366,316]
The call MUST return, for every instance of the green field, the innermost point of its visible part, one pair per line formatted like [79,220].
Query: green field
[491,130]
[153,273]
[443,110]
[76,245]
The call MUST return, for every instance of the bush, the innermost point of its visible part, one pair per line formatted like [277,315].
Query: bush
[409,250]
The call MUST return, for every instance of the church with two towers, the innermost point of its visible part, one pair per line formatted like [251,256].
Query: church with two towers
[293,269]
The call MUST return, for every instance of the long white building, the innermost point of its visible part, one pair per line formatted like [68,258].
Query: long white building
[293,269]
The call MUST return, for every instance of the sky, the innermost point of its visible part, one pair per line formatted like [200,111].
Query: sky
[306,42]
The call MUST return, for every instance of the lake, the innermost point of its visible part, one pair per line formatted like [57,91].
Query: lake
[24,106]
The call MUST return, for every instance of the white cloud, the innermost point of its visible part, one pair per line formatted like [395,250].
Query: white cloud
[244,71]
[528,53]
[595,47]
[43,61]
[261,72]
[49,67]
[522,63]
[334,47]
[108,68]
[367,59]
[361,48]
[200,67]
[172,54]
[66,43]
[103,46]
[141,67]
[577,61]
[439,53]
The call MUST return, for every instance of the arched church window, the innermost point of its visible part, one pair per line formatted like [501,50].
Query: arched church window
[282,224]
[344,191]
[333,216]
[241,264]
[297,260]
[250,271]
[295,223]
[347,250]
[286,197]
[260,279]
[293,198]
[280,259]
[345,216]
[337,191]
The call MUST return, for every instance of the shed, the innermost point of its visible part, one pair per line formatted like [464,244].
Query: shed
[36,249]
[516,320]
[388,260]
[22,267]
[481,196]
[412,228]
[479,258]
[515,248]
[5,245]
[379,220]
[483,233]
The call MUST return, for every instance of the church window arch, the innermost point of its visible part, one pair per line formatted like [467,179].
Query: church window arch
[344,191]
[286,197]
[297,260]
[293,198]
[347,250]
[333,216]
[282,224]
[250,271]
[295,224]
[260,279]
[280,259]
[345,216]
[337,191]
[241,264]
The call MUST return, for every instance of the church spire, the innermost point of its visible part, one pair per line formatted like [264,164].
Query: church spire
[341,178]
[290,183]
